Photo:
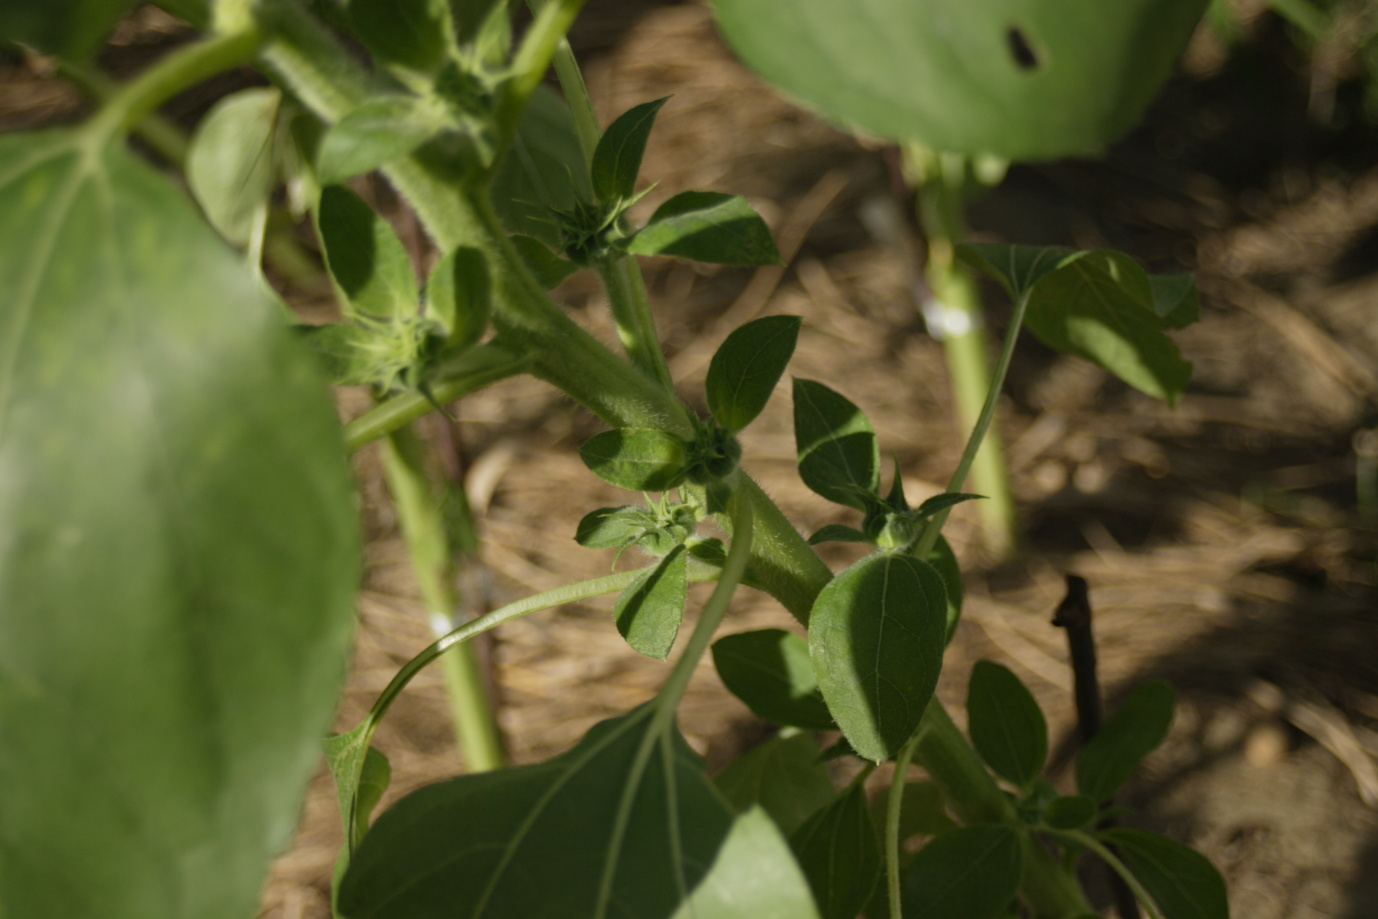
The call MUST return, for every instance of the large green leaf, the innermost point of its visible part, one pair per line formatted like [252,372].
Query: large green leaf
[623,825]
[178,549]
[754,876]
[1023,79]
[370,267]
[839,457]
[69,28]
[745,368]
[770,671]
[876,638]
[649,610]
[840,855]
[1005,723]
[1102,306]
[1183,882]
[972,872]
[707,226]
[785,775]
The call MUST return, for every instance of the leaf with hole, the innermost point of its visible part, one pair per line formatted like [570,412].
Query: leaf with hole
[230,168]
[649,609]
[876,639]
[636,459]
[839,457]
[745,368]
[623,824]
[838,851]
[707,226]
[1023,79]
[1135,730]
[1005,723]
[376,132]
[785,775]
[366,260]
[769,670]
[179,555]
[459,296]
[1182,882]
[972,872]
[617,159]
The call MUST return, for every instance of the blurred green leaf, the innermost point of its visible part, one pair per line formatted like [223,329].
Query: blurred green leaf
[785,775]
[745,368]
[1070,812]
[72,29]
[876,638]
[1183,882]
[769,670]
[839,457]
[459,296]
[373,134]
[366,260]
[344,352]
[230,167]
[707,226]
[617,159]
[179,553]
[838,852]
[1135,730]
[550,270]
[1005,723]
[972,872]
[413,34]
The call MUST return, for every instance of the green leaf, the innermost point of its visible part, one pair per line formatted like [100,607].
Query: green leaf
[230,167]
[944,560]
[344,352]
[972,872]
[458,295]
[1183,882]
[1024,79]
[876,640]
[754,876]
[836,532]
[770,671]
[412,34]
[550,270]
[618,826]
[71,29]
[838,454]
[636,459]
[649,609]
[611,527]
[746,367]
[617,159]
[543,172]
[923,811]
[367,262]
[1100,305]
[707,226]
[1006,724]
[376,132]
[179,553]
[361,774]
[785,775]
[838,852]
[1134,731]
[942,502]
[1070,812]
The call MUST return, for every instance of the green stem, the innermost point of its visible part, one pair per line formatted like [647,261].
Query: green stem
[631,313]
[433,559]
[1082,838]
[532,60]
[180,70]
[576,92]
[166,139]
[894,805]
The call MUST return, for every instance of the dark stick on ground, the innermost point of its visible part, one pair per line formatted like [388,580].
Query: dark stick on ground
[1074,615]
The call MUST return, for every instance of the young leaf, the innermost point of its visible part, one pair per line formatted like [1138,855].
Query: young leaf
[838,851]
[362,775]
[230,167]
[770,671]
[617,159]
[1006,724]
[649,610]
[366,260]
[1134,731]
[620,825]
[746,367]
[838,454]
[943,501]
[1183,882]
[550,270]
[754,876]
[836,532]
[876,640]
[1008,77]
[785,775]
[611,527]
[543,172]
[343,349]
[412,34]
[944,560]
[707,226]
[459,296]
[972,872]
[378,131]
[1017,268]
[181,549]
[636,459]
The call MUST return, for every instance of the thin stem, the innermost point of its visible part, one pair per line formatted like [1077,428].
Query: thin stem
[983,422]
[162,135]
[894,805]
[532,59]
[586,127]
[181,69]
[1082,838]
[631,313]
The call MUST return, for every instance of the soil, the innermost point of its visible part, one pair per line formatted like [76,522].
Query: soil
[1228,540]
